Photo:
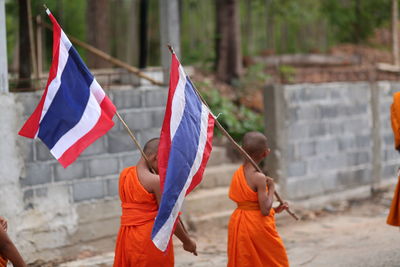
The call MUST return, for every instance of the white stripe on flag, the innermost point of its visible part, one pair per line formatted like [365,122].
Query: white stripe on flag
[178,102]
[161,239]
[97,91]
[65,40]
[56,82]
[88,120]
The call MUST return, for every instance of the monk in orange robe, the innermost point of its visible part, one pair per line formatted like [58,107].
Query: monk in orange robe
[253,239]
[8,249]
[394,213]
[140,193]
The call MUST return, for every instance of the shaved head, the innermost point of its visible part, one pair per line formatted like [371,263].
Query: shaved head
[151,147]
[255,144]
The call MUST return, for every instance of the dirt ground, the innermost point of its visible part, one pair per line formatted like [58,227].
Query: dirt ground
[345,234]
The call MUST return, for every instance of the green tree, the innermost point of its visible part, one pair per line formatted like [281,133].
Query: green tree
[354,20]
[228,41]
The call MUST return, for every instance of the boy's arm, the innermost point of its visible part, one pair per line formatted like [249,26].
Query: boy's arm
[265,199]
[188,244]
[9,251]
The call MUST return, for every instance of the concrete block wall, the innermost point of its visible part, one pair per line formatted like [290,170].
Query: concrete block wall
[329,137]
[390,157]
[59,213]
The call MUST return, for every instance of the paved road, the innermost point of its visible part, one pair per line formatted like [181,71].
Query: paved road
[357,236]
[345,235]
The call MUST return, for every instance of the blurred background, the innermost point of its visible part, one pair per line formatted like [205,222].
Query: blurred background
[316,76]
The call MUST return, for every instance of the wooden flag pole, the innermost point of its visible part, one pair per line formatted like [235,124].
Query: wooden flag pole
[145,158]
[236,145]
[139,147]
[135,141]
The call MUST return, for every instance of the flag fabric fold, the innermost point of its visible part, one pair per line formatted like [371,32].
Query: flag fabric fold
[74,111]
[184,149]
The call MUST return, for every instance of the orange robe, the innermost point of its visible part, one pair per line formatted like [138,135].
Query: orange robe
[134,247]
[3,262]
[394,213]
[252,238]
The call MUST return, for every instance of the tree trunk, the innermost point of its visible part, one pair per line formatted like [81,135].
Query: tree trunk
[119,32]
[25,63]
[218,15]
[169,33]
[192,25]
[98,33]
[228,48]
[395,33]
[249,29]
[60,12]
[284,37]
[144,6]
[132,52]
[270,25]
[358,21]
[3,50]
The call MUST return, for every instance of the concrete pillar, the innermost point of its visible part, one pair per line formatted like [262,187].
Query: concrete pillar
[170,33]
[276,133]
[376,132]
[3,50]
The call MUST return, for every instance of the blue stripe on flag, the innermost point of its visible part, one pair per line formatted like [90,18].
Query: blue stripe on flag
[182,154]
[69,102]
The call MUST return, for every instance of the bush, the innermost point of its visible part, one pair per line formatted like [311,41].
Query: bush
[236,119]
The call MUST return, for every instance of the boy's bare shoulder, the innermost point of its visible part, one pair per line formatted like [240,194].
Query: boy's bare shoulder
[150,181]
[255,179]
[259,178]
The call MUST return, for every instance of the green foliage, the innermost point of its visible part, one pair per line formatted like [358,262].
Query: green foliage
[237,120]
[286,26]
[254,78]
[198,32]
[12,28]
[296,25]
[69,14]
[267,26]
[287,72]
[355,20]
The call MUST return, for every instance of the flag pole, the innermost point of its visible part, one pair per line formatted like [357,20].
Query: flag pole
[135,141]
[237,146]
[145,158]
[130,133]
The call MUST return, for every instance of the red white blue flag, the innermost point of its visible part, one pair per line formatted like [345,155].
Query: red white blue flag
[184,149]
[74,110]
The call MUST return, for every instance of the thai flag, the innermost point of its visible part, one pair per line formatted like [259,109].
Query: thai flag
[184,149]
[74,110]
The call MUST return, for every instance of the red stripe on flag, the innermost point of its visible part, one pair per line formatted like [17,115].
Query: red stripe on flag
[104,124]
[165,137]
[31,126]
[206,155]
